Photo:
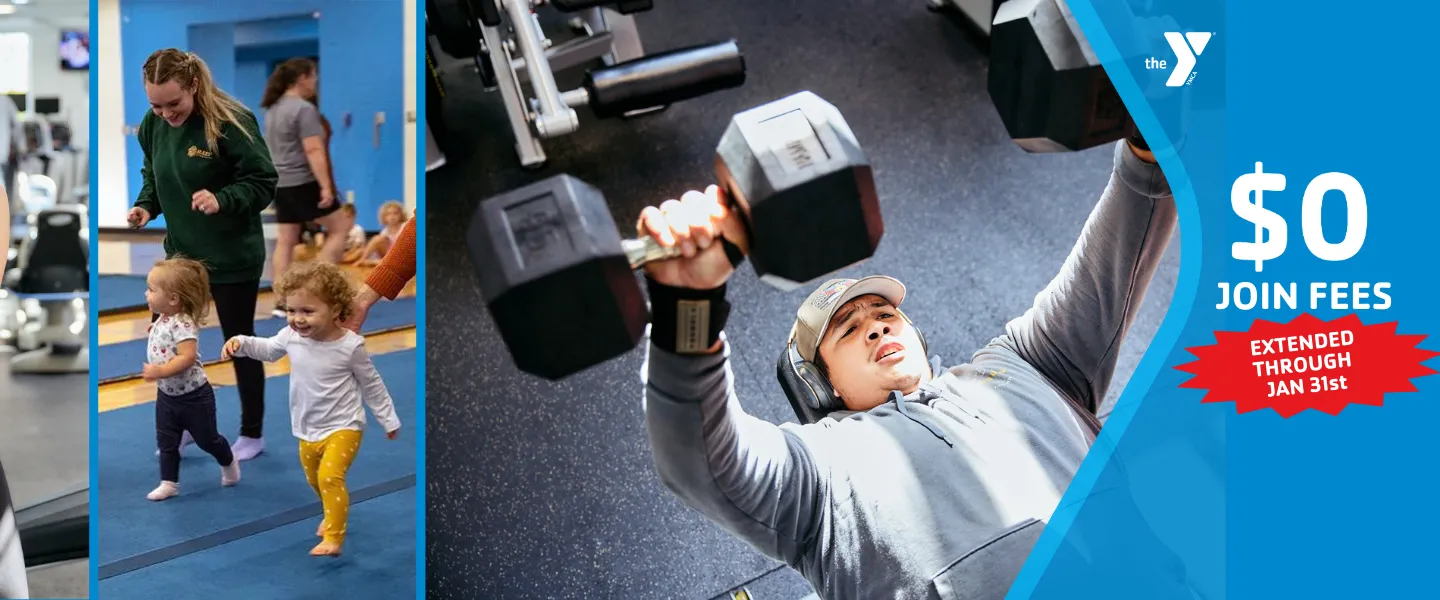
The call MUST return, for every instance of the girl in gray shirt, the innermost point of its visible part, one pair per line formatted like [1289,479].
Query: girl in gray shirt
[298,142]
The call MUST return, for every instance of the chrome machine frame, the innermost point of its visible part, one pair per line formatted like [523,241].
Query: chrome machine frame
[517,52]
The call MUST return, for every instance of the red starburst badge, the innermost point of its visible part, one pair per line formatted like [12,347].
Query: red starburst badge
[1307,363]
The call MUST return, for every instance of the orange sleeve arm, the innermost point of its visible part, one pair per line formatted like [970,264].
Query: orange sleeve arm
[398,266]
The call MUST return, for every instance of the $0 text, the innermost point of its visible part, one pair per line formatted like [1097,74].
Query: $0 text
[1269,247]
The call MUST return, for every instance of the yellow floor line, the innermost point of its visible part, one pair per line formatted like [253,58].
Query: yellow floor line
[134,392]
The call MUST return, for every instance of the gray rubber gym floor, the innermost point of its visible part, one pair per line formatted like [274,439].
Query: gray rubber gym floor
[546,490]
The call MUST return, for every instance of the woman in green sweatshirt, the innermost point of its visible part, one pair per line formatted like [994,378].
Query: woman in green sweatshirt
[207,169]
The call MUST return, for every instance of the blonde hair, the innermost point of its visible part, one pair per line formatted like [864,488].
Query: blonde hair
[395,205]
[189,281]
[348,209]
[323,279]
[216,106]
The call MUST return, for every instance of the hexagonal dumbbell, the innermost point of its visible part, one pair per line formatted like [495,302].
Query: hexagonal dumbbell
[559,281]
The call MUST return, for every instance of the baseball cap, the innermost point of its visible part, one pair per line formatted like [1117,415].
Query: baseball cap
[814,315]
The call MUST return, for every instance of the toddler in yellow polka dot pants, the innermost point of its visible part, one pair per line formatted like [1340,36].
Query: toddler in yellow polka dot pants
[331,381]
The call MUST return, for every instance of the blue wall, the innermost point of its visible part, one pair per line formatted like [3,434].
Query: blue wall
[283,30]
[250,77]
[361,73]
[254,64]
[212,42]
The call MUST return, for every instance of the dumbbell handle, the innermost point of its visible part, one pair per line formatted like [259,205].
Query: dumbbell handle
[644,250]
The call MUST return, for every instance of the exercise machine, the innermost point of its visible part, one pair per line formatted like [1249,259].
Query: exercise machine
[35,192]
[51,281]
[69,165]
[512,51]
[49,171]
[39,145]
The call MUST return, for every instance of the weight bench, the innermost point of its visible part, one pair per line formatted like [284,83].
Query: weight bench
[52,268]
[511,50]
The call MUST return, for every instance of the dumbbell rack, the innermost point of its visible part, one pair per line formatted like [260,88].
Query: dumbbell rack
[511,50]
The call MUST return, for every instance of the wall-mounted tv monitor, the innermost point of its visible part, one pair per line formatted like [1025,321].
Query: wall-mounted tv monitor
[74,50]
[47,106]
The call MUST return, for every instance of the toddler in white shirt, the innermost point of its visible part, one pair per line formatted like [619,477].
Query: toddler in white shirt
[331,381]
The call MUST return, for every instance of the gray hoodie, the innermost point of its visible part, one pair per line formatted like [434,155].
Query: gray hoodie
[941,493]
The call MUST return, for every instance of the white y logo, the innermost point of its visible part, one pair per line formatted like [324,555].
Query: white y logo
[1185,58]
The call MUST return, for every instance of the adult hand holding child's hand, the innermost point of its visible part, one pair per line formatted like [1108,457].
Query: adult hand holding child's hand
[360,308]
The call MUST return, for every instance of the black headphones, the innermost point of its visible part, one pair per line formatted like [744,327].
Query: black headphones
[810,393]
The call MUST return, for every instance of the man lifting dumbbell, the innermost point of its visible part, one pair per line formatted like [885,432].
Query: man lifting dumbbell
[558,279]
[918,482]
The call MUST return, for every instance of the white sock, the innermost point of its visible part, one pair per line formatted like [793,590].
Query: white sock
[246,448]
[165,490]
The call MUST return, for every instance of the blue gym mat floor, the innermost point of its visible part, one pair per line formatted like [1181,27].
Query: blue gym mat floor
[379,561]
[258,532]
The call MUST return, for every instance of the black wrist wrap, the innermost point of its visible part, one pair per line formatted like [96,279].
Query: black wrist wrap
[686,321]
